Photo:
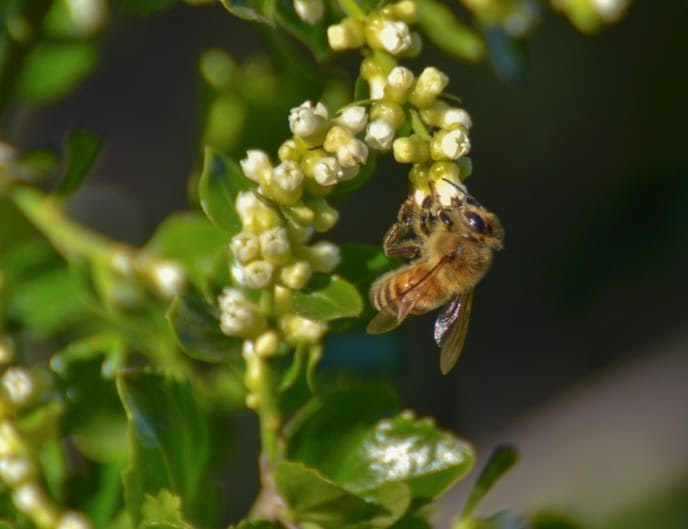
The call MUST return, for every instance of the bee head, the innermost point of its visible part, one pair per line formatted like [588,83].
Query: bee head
[483,226]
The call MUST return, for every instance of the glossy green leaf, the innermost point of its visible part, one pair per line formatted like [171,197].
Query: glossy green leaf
[110,346]
[82,149]
[253,10]
[361,89]
[168,439]
[225,122]
[412,522]
[501,460]
[314,498]
[197,328]
[163,510]
[53,69]
[441,27]
[194,241]
[349,445]
[257,524]
[328,298]
[364,174]
[221,181]
[501,520]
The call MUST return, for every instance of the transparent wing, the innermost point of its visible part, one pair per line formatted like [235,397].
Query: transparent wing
[386,319]
[451,328]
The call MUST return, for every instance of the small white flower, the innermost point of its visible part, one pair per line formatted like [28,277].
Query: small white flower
[73,520]
[400,78]
[327,171]
[308,119]
[274,245]
[296,275]
[395,36]
[310,11]
[455,144]
[432,81]
[354,118]
[610,10]
[380,135]
[288,176]
[237,314]
[255,215]
[14,470]
[298,329]
[325,215]
[255,165]
[88,15]
[324,256]
[18,385]
[353,153]
[346,35]
[169,278]
[28,497]
[257,274]
[244,246]
[456,116]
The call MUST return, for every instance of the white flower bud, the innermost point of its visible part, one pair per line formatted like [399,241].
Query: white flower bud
[395,36]
[267,344]
[18,385]
[451,144]
[324,256]
[376,87]
[353,153]
[255,165]
[325,215]
[274,245]
[255,215]
[289,150]
[288,176]
[354,118]
[169,278]
[238,317]
[299,330]
[456,116]
[15,470]
[327,171]
[73,520]
[400,79]
[308,119]
[380,135]
[28,497]
[244,246]
[347,35]
[257,274]
[431,83]
[310,11]
[296,275]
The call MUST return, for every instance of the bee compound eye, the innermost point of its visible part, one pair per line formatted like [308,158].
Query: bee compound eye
[476,222]
[446,219]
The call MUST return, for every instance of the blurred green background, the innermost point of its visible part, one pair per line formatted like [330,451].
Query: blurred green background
[579,336]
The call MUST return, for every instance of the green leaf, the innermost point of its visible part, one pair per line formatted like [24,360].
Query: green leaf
[82,149]
[257,524]
[444,30]
[361,89]
[147,7]
[52,69]
[194,241]
[168,439]
[363,263]
[197,329]
[501,460]
[412,522]
[253,10]
[221,181]
[350,446]
[501,520]
[364,174]
[163,510]
[313,498]
[328,298]
[553,520]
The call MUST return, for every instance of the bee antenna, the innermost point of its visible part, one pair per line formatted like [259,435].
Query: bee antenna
[463,190]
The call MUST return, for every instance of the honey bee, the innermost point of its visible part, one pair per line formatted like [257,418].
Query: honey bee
[450,249]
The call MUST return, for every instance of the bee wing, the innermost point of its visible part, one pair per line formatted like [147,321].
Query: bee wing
[386,320]
[451,328]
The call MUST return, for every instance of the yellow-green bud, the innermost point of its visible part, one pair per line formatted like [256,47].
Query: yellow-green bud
[392,36]
[411,149]
[282,300]
[290,150]
[274,246]
[16,469]
[267,344]
[323,256]
[391,112]
[300,234]
[418,176]
[325,215]
[299,330]
[445,170]
[6,350]
[431,83]
[245,246]
[252,401]
[30,499]
[405,11]
[296,275]
[347,35]
[373,72]
[465,167]
[399,83]
[336,138]
[255,215]
[301,215]
[310,160]
[450,144]
[10,442]
[441,115]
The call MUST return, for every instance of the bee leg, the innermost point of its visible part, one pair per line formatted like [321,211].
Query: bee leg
[405,252]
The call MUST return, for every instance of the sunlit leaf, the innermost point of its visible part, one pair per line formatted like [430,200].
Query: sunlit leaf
[444,30]
[197,328]
[501,460]
[53,69]
[328,298]
[163,510]
[253,10]
[82,149]
[168,441]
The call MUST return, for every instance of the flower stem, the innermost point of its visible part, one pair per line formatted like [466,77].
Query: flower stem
[352,9]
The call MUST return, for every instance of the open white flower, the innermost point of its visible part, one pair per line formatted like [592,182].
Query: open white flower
[308,119]
[354,118]
[327,171]
[353,153]
[380,135]
[18,385]
[287,176]
[257,274]
[245,246]
[255,165]
[395,36]
[274,245]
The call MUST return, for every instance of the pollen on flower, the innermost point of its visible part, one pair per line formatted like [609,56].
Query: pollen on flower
[245,246]
[18,385]
[324,256]
[310,11]
[380,135]
[258,274]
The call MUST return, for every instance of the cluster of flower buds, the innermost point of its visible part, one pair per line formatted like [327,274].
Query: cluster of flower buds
[18,467]
[386,29]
